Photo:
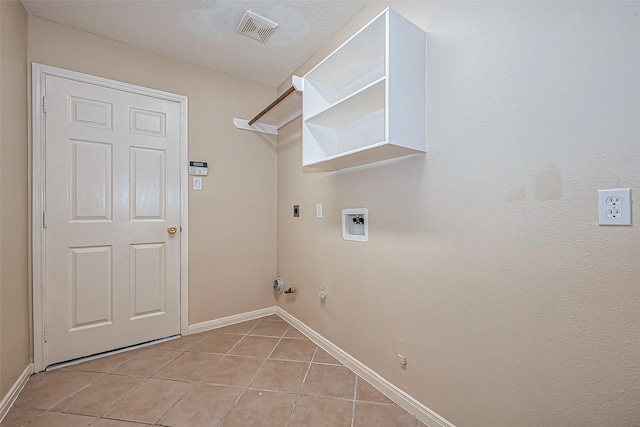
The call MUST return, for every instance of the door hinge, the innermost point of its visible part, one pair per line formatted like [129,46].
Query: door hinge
[44,219]
[46,333]
[44,104]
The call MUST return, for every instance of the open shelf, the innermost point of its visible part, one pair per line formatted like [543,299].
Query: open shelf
[366,101]
[323,96]
[363,51]
[357,105]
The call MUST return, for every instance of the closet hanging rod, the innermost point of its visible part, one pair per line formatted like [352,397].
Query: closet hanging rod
[273,104]
[288,108]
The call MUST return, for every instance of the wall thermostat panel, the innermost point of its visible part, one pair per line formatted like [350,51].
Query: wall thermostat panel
[198,168]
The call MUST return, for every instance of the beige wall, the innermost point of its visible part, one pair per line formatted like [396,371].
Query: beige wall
[14,289]
[232,220]
[485,264]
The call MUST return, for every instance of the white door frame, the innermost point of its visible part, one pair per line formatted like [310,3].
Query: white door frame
[39,73]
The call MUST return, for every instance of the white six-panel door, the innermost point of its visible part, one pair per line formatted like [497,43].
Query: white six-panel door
[112,191]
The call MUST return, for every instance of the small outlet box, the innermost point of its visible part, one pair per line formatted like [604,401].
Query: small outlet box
[296,211]
[614,206]
[403,360]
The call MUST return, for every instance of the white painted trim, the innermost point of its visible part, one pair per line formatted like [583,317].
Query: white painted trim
[10,398]
[38,75]
[230,320]
[298,83]
[411,405]
[184,217]
[256,127]
[37,206]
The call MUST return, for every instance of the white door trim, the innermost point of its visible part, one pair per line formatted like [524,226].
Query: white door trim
[39,73]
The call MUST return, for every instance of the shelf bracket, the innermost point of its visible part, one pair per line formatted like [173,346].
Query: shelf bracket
[257,127]
[294,111]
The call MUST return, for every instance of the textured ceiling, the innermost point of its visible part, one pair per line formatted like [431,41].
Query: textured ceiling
[204,32]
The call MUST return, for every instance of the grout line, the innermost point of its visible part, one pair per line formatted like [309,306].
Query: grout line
[233,346]
[218,384]
[254,376]
[353,410]
[120,420]
[176,402]
[222,356]
[233,405]
[309,368]
[293,407]
[267,336]
[327,364]
[125,396]
[101,374]
[280,339]
[146,380]
[265,360]
[342,399]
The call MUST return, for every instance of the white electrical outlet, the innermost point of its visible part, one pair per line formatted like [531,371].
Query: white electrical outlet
[319,211]
[614,206]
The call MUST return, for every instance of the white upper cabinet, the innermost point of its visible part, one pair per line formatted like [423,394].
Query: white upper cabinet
[366,101]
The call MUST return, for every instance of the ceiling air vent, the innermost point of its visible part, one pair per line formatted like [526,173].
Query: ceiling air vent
[256,27]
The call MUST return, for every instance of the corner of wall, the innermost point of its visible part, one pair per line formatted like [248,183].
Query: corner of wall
[15,332]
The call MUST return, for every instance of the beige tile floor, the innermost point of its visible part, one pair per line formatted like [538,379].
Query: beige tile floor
[257,373]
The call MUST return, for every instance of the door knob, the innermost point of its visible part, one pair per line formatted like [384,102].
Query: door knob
[172,229]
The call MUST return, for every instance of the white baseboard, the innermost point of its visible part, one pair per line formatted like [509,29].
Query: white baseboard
[10,398]
[230,320]
[405,401]
[411,405]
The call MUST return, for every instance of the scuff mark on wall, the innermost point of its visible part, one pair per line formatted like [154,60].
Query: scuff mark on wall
[516,194]
[548,185]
